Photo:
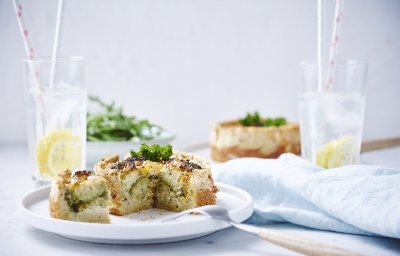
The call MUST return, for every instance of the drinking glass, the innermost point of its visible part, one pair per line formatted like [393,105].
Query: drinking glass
[331,117]
[55,96]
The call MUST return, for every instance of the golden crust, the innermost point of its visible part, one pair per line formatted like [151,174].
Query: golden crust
[205,197]
[105,162]
[230,140]
[222,155]
[57,204]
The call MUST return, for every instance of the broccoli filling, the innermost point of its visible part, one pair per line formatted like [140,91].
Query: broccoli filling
[76,204]
[140,187]
[170,191]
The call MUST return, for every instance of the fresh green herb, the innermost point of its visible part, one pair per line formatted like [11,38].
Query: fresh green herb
[275,121]
[111,124]
[251,120]
[155,152]
[254,119]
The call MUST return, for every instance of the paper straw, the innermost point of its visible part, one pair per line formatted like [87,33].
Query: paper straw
[56,41]
[320,43]
[25,38]
[332,61]
[29,54]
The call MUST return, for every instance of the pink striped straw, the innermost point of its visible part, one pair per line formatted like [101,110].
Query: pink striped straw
[320,43]
[22,27]
[25,36]
[332,61]
[29,53]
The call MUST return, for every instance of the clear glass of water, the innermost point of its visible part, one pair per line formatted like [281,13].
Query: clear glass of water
[55,96]
[331,119]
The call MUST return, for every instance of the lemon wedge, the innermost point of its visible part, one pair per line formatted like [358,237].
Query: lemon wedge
[336,153]
[58,151]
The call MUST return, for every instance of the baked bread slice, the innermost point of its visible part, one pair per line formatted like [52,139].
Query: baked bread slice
[132,182]
[231,140]
[79,197]
[180,183]
[185,182]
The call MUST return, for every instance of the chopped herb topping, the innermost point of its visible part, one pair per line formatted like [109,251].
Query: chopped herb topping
[80,176]
[155,152]
[128,164]
[187,165]
[254,119]
[82,173]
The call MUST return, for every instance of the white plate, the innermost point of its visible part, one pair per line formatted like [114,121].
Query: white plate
[137,228]
[96,150]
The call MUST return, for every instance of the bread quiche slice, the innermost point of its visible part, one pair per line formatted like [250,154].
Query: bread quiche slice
[182,181]
[185,182]
[80,196]
[231,140]
[133,182]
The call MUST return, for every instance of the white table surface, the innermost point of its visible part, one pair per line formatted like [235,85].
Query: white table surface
[17,238]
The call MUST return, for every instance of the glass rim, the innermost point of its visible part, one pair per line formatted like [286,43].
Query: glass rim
[63,59]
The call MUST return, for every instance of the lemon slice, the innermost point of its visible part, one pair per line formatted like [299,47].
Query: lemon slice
[58,151]
[336,153]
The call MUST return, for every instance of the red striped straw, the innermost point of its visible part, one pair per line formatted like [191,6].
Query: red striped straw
[332,61]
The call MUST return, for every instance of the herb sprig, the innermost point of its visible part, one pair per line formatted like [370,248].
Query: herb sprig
[254,119]
[155,152]
[111,124]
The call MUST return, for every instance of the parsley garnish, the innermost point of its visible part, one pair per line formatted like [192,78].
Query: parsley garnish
[254,119]
[155,152]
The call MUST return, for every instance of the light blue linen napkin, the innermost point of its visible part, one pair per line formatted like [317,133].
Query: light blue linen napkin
[357,199]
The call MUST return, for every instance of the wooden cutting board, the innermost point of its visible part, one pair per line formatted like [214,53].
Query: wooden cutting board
[380,144]
[366,146]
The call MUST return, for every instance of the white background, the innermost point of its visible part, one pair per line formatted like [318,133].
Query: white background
[188,63]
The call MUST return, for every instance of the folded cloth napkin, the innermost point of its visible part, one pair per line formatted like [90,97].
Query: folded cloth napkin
[357,199]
